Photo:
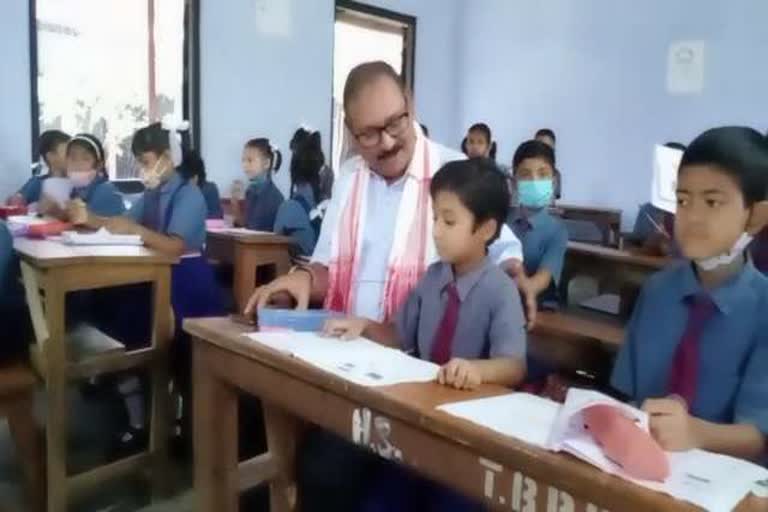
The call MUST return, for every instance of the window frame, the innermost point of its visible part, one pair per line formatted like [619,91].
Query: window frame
[190,77]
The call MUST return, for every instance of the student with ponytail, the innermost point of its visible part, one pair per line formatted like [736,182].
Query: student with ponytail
[255,206]
[170,218]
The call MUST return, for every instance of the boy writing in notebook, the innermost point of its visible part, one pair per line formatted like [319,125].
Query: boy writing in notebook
[696,351]
[465,314]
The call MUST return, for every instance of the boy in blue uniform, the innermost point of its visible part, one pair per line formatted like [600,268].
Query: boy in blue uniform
[170,218]
[465,314]
[544,237]
[696,350]
[52,148]
[262,198]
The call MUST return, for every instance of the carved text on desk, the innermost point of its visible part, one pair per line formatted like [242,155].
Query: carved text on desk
[526,494]
[378,438]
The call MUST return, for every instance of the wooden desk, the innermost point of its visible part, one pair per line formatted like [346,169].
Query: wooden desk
[607,220]
[399,421]
[51,270]
[247,252]
[613,268]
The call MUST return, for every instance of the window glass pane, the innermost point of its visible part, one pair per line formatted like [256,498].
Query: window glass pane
[99,72]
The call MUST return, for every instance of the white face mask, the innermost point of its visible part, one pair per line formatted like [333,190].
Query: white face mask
[81,179]
[153,178]
[727,258]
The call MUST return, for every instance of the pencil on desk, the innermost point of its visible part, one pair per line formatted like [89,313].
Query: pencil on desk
[660,229]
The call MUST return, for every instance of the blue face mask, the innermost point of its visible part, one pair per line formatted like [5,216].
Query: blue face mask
[258,180]
[535,193]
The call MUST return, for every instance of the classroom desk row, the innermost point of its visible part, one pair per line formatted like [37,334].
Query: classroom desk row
[397,422]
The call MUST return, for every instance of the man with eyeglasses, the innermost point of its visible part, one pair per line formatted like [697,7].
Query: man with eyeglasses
[377,228]
[374,245]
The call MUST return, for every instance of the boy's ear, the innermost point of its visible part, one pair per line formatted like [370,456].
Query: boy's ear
[758,219]
[488,229]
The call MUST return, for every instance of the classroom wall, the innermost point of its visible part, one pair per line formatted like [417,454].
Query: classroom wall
[15,127]
[264,78]
[595,72]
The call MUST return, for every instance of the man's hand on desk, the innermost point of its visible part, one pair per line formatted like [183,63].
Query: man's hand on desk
[528,294]
[297,284]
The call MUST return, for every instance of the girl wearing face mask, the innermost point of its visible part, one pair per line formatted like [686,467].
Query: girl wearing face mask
[255,207]
[543,236]
[169,218]
[90,189]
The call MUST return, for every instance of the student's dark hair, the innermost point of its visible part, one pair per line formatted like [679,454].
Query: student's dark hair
[738,151]
[366,73]
[675,145]
[89,143]
[156,139]
[49,140]
[485,130]
[480,187]
[533,149]
[307,160]
[266,148]
[546,132]
[196,167]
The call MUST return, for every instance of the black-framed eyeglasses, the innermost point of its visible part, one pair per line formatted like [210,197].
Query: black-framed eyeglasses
[395,127]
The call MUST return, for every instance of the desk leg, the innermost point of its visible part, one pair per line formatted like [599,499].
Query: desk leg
[246,262]
[160,401]
[283,433]
[216,434]
[29,442]
[57,425]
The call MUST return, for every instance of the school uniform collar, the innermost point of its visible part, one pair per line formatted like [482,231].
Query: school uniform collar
[464,284]
[257,186]
[727,295]
[174,182]
[87,190]
[528,218]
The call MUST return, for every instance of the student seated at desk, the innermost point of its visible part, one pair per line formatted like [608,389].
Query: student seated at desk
[544,237]
[208,188]
[465,314]
[256,207]
[14,316]
[548,137]
[696,350]
[479,143]
[327,177]
[85,161]
[52,147]
[297,216]
[170,218]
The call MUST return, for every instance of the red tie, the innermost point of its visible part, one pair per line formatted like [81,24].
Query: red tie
[684,375]
[443,341]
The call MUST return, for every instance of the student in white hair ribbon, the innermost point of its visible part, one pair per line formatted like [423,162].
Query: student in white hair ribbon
[169,218]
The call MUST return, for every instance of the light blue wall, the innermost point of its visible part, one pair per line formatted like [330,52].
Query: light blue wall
[595,72]
[14,97]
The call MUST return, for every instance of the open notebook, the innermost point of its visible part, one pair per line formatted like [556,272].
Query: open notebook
[711,481]
[360,361]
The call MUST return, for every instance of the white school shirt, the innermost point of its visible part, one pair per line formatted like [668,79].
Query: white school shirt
[383,200]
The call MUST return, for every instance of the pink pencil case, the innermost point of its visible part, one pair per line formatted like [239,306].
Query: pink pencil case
[625,443]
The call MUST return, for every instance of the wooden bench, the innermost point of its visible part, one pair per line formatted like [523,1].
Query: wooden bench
[17,389]
[576,341]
